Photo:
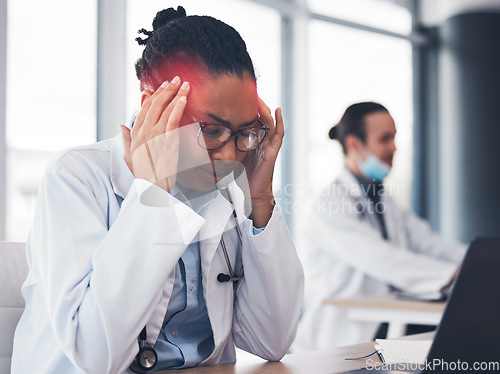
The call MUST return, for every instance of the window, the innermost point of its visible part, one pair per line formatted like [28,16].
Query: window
[50,95]
[382,14]
[345,66]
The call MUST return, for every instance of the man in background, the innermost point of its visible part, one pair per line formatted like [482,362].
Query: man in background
[362,243]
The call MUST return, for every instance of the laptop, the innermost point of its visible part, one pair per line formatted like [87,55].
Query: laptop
[467,339]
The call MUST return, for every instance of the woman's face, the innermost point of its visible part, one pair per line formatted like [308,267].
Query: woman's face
[225,99]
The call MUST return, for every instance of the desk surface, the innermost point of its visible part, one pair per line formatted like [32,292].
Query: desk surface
[388,304]
[318,362]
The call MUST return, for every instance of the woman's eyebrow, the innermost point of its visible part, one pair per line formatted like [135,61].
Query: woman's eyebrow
[227,123]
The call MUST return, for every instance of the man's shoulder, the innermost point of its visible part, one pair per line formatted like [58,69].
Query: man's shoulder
[344,185]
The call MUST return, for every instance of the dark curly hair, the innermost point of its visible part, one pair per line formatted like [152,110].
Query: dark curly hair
[180,43]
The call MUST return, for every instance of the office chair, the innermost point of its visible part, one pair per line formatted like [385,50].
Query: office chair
[13,272]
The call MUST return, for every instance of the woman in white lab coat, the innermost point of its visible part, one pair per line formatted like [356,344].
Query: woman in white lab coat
[361,241]
[145,243]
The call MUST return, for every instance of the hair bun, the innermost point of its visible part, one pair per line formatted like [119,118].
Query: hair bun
[164,16]
[333,133]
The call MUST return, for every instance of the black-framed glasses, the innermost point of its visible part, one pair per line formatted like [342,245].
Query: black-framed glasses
[214,135]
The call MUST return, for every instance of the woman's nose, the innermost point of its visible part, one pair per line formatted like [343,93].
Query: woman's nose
[226,152]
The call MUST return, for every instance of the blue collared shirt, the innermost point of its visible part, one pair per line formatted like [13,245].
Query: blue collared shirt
[186,337]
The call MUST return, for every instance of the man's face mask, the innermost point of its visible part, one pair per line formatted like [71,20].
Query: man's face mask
[373,168]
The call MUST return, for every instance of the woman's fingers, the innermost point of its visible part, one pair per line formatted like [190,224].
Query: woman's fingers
[163,149]
[146,105]
[280,126]
[276,128]
[175,116]
[266,117]
[151,146]
[153,108]
[265,112]
[165,122]
[127,141]
[160,102]
[139,120]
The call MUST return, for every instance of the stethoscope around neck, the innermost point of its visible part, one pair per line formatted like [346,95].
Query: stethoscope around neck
[231,277]
[147,357]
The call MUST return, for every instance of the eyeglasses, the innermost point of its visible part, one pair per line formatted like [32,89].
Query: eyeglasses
[214,135]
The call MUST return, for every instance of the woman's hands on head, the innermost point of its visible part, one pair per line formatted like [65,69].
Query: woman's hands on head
[259,165]
[151,148]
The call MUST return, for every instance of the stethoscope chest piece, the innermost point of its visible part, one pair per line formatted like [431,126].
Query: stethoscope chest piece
[145,360]
[147,357]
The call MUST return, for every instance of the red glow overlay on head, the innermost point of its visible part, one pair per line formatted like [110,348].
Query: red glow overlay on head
[186,69]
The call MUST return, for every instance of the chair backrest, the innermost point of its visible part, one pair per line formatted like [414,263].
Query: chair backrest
[13,272]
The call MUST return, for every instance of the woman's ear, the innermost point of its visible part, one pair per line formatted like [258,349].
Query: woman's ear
[145,95]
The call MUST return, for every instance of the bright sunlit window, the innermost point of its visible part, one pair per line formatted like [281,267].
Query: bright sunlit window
[382,14]
[356,66]
[51,79]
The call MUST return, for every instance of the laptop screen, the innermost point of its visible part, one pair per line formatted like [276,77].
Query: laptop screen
[468,337]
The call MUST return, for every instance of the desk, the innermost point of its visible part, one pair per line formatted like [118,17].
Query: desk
[329,361]
[398,313]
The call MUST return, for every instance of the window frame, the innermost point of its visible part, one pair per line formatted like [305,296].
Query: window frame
[3,118]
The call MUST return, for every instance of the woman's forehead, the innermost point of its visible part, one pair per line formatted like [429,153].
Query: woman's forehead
[230,98]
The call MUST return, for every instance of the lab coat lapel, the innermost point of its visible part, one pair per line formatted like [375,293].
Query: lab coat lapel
[216,216]
[218,296]
[239,190]
[348,183]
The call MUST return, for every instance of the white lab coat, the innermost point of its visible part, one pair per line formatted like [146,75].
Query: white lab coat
[346,256]
[102,254]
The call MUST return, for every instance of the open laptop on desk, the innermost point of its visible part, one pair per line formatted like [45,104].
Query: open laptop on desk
[467,339]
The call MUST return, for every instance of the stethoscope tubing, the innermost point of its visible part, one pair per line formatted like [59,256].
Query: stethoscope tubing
[232,276]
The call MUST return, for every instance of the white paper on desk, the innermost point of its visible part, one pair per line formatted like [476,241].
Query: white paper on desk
[425,296]
[403,351]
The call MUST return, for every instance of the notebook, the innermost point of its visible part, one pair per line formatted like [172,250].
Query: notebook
[403,351]
[467,339]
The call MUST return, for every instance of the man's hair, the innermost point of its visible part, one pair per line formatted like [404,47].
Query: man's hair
[180,43]
[353,122]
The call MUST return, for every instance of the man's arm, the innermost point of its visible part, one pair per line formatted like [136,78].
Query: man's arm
[361,246]
[424,240]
